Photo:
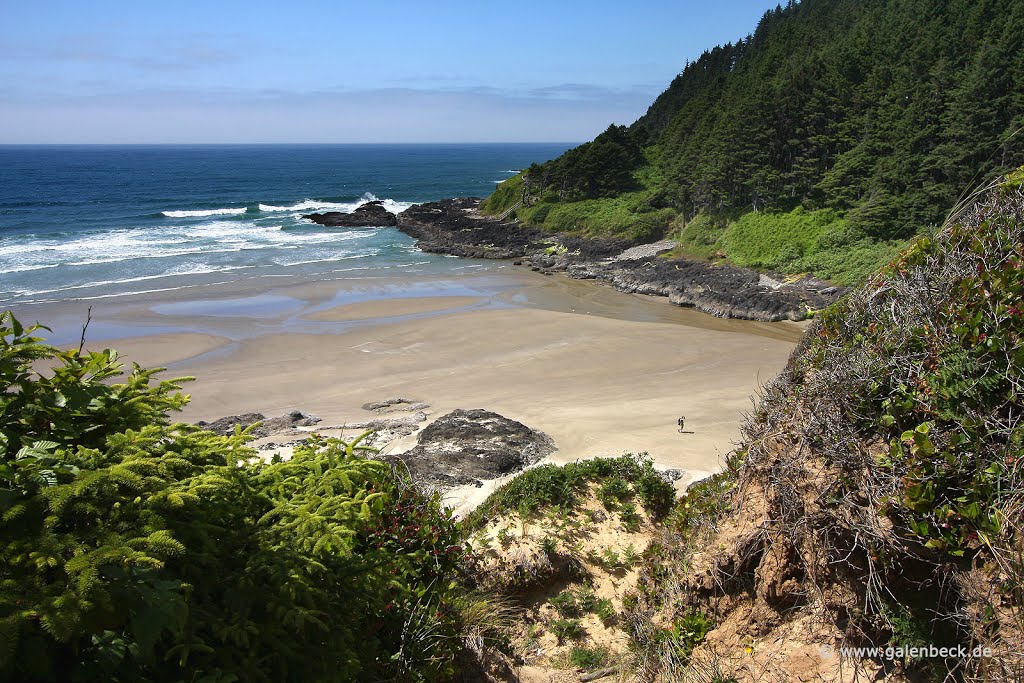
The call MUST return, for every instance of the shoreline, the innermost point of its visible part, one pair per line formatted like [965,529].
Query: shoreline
[600,371]
[455,227]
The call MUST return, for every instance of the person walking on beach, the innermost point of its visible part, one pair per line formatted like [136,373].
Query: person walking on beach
[681,422]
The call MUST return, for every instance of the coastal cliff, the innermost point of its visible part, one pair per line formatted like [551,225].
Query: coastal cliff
[868,526]
[821,142]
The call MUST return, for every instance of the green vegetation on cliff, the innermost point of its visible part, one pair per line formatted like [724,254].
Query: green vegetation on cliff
[880,112]
[878,495]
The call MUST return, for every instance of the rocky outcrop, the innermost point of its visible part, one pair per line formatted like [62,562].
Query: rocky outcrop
[453,226]
[467,446]
[721,290]
[275,425]
[395,405]
[369,215]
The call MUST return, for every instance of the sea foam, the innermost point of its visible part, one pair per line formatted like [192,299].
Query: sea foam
[200,213]
[344,207]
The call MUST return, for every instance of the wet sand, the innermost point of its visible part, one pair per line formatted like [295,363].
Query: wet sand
[600,371]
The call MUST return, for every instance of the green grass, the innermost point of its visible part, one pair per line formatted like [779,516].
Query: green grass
[629,215]
[821,242]
[505,195]
[800,241]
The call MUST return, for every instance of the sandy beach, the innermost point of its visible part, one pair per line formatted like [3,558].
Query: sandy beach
[600,371]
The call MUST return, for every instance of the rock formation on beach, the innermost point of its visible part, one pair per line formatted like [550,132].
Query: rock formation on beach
[462,447]
[369,215]
[467,446]
[452,226]
[268,427]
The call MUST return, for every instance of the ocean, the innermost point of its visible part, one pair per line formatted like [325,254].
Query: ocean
[90,222]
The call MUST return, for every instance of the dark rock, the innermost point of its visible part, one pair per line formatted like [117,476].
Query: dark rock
[453,226]
[720,290]
[368,215]
[392,405]
[673,474]
[467,446]
[291,420]
[226,425]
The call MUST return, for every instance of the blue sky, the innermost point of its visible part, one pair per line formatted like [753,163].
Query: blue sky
[179,71]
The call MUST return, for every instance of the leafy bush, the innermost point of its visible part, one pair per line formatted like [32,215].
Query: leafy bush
[656,493]
[588,658]
[562,485]
[135,549]
[699,237]
[630,518]
[565,604]
[686,633]
[605,610]
[613,492]
[773,240]
[618,217]
[566,629]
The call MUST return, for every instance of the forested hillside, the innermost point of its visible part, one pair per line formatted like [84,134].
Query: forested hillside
[872,116]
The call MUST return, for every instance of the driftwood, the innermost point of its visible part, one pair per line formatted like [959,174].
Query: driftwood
[600,673]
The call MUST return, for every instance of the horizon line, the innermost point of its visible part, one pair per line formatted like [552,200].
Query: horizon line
[268,144]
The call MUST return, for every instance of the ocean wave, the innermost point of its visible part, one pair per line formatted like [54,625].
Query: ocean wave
[212,237]
[200,213]
[178,271]
[391,205]
[27,268]
[310,205]
[329,259]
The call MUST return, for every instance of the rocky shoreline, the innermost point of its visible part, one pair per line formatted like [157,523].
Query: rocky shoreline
[369,215]
[455,227]
[463,447]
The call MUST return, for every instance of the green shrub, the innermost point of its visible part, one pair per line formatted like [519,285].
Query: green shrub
[613,491]
[565,604]
[588,658]
[630,519]
[686,633]
[700,236]
[605,610]
[628,215]
[657,494]
[562,485]
[133,549]
[566,629]
[820,242]
[505,195]
[776,240]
